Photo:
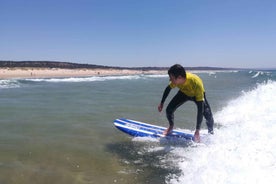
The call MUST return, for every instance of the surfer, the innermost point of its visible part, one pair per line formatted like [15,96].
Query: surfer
[190,88]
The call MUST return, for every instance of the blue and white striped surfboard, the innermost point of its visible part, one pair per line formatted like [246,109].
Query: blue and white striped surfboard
[140,129]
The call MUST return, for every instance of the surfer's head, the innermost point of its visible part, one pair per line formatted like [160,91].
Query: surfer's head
[176,71]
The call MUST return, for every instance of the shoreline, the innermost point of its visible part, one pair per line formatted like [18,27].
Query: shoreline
[31,72]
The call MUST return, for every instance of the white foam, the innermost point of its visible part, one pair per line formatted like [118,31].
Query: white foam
[145,139]
[242,150]
[4,84]
[85,79]
[157,75]
[256,75]
[212,72]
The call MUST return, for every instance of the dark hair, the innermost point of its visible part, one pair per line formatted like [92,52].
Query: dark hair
[177,70]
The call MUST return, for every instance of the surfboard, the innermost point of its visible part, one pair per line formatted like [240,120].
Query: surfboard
[141,129]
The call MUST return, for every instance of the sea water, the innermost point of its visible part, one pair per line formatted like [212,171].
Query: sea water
[60,130]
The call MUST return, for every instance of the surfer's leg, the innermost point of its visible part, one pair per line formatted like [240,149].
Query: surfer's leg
[208,116]
[177,100]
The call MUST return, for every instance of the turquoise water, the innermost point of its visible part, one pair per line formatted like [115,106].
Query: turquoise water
[61,130]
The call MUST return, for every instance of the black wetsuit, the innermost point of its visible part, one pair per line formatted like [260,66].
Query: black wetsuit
[203,108]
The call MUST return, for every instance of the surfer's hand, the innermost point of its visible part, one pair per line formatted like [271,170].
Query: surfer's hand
[196,136]
[166,132]
[160,107]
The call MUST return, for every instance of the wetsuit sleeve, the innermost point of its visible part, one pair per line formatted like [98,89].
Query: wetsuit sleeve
[166,93]
[199,114]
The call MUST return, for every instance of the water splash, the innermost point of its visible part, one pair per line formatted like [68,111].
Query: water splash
[243,150]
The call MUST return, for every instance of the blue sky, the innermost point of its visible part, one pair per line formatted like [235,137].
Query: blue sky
[222,33]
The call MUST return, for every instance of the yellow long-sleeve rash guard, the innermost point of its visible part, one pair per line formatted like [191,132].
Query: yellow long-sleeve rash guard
[193,87]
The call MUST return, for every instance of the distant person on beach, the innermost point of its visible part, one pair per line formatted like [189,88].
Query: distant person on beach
[190,88]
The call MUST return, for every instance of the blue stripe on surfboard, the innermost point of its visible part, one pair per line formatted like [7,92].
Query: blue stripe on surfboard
[129,127]
[137,133]
[141,126]
[137,128]
[141,133]
[153,126]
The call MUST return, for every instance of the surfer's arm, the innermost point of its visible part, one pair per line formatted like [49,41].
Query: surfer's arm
[199,114]
[165,95]
[199,120]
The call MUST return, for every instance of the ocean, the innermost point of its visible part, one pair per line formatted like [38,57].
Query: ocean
[60,130]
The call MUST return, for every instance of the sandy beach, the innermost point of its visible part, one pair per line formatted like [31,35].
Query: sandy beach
[10,73]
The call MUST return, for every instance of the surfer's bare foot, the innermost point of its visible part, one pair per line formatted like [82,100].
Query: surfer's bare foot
[196,136]
[168,131]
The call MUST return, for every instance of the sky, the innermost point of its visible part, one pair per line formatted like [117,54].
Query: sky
[135,33]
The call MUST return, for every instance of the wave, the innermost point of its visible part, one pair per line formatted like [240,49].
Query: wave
[16,83]
[95,78]
[242,150]
[120,77]
[5,84]
[214,71]
[259,101]
[262,74]
[85,79]
[257,74]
